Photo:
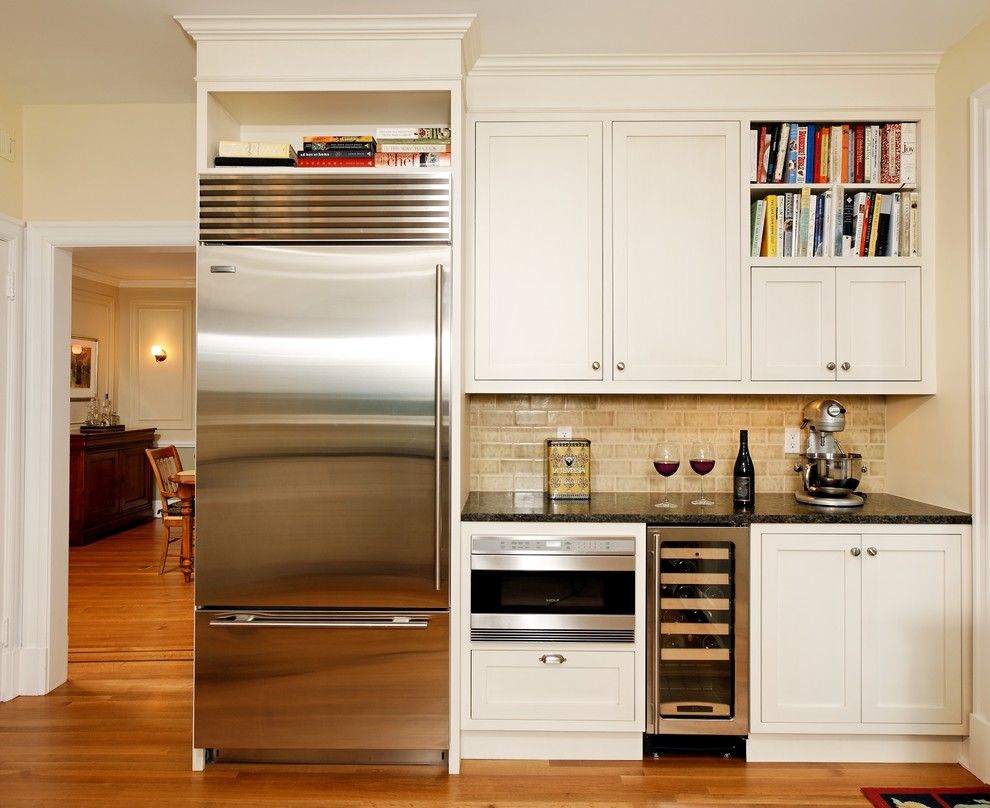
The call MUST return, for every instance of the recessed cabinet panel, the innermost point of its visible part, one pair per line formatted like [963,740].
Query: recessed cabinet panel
[878,323]
[912,629]
[553,685]
[676,251]
[793,324]
[810,621]
[538,251]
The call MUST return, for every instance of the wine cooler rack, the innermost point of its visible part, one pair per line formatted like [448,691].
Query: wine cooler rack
[696,614]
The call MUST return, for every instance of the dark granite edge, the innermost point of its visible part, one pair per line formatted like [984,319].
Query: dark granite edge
[778,509]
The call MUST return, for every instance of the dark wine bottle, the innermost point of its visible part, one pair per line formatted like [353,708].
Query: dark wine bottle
[743,475]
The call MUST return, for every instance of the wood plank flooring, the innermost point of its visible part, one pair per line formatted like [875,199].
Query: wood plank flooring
[118,733]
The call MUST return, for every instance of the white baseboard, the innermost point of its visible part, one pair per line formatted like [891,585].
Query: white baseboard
[9,673]
[503,745]
[976,748]
[32,674]
[853,749]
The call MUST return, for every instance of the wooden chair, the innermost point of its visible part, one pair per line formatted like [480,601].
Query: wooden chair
[165,462]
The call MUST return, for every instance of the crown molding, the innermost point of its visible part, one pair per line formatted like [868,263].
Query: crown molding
[204,28]
[127,283]
[711,64]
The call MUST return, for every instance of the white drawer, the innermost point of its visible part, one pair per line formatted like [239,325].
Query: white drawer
[586,686]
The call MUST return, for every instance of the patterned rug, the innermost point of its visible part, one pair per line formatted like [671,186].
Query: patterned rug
[977,797]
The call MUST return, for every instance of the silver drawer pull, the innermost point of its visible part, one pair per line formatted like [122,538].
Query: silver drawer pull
[553,659]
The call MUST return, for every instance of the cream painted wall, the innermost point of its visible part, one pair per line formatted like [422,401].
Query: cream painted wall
[158,394]
[94,316]
[11,173]
[124,162]
[928,438]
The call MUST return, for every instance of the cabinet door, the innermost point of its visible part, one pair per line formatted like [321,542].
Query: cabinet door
[878,323]
[675,251]
[102,484]
[538,251]
[135,479]
[912,629]
[553,685]
[793,324]
[810,622]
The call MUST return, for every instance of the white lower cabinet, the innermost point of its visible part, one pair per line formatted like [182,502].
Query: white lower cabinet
[553,685]
[546,699]
[860,628]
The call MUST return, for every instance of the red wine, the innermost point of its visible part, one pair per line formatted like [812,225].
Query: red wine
[743,473]
[666,468]
[702,467]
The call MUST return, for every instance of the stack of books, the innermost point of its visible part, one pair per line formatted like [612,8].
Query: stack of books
[337,151]
[245,153]
[799,153]
[413,146]
[805,224]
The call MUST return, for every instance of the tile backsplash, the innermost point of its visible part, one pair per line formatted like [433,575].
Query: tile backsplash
[508,431]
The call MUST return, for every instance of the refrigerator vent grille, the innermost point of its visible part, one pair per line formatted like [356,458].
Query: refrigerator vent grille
[551,635]
[378,208]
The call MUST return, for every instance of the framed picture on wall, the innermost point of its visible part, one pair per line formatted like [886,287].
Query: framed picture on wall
[84,357]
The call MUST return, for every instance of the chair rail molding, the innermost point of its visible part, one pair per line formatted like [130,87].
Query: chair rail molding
[11,236]
[977,746]
[42,541]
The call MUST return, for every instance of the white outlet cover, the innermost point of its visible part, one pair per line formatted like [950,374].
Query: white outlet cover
[792,440]
[564,433]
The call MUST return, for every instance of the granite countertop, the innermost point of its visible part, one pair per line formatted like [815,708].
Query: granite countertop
[483,506]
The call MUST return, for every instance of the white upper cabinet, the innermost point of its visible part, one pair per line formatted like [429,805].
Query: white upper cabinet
[675,251]
[538,251]
[850,324]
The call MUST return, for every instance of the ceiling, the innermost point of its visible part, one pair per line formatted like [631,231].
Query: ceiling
[137,263]
[131,51]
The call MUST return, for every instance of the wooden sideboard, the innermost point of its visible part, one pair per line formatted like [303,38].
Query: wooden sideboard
[110,483]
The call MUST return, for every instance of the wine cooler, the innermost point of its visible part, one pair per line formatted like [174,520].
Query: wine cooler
[698,629]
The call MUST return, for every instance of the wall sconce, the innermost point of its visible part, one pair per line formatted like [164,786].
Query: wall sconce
[76,349]
[159,352]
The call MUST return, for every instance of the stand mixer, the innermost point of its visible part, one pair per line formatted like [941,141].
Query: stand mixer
[830,476]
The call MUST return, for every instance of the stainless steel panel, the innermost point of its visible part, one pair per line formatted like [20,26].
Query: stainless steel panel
[306,687]
[561,622]
[317,430]
[543,563]
[373,207]
[738,724]
[556,546]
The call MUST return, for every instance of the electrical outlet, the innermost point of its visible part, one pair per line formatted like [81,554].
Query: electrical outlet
[792,441]
[564,433]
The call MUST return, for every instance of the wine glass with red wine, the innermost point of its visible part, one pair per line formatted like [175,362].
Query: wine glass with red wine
[702,461]
[666,460]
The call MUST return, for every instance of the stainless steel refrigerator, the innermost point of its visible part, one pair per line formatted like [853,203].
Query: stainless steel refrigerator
[322,550]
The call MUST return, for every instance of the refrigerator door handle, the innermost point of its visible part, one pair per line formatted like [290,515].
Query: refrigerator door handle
[438,432]
[270,621]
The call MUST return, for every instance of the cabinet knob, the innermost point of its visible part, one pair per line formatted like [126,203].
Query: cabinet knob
[621,366]
[596,365]
[553,659]
[855,552]
[846,366]
[871,551]
[830,366]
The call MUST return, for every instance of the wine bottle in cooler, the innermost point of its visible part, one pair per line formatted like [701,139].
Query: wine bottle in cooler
[743,476]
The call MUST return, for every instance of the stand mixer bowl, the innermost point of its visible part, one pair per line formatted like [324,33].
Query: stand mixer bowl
[832,475]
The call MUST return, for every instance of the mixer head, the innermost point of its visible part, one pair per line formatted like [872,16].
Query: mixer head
[824,415]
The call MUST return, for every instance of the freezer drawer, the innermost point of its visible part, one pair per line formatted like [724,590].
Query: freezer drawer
[321,681]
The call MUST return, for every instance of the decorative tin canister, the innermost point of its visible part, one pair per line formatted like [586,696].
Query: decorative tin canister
[568,469]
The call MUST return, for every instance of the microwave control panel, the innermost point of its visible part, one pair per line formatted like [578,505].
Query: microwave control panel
[557,545]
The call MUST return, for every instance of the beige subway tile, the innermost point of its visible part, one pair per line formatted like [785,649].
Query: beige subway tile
[599,418]
[531,418]
[495,482]
[544,402]
[571,418]
[528,482]
[481,402]
[485,465]
[665,418]
[491,450]
[700,419]
[511,402]
[485,435]
[614,467]
[532,451]
[495,417]
[580,402]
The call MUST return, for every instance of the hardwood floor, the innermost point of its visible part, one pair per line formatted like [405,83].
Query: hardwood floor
[118,732]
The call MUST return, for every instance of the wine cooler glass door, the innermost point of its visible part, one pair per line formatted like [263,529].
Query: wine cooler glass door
[698,649]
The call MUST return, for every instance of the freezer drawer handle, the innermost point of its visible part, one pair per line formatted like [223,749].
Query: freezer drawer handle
[223,269]
[256,621]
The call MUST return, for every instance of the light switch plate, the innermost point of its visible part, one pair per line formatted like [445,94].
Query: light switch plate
[6,145]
